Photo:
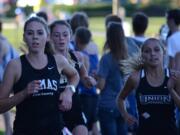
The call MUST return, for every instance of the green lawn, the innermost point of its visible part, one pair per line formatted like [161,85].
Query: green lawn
[96,26]
[1,132]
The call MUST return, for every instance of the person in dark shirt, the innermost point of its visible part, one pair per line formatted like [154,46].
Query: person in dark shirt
[74,119]
[34,80]
[156,91]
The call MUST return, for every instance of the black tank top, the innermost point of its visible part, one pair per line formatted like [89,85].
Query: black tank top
[156,108]
[39,111]
[72,59]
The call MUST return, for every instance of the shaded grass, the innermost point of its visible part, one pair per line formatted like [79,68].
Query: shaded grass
[154,25]
[1,132]
[97,24]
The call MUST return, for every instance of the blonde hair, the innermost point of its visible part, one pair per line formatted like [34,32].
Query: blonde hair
[135,62]
[131,64]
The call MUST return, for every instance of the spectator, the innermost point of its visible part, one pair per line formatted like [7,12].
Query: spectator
[173,22]
[7,53]
[139,25]
[89,97]
[111,80]
[80,19]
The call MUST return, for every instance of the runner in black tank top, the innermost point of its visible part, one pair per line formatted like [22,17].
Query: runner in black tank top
[61,36]
[34,79]
[75,116]
[39,114]
[156,108]
[157,91]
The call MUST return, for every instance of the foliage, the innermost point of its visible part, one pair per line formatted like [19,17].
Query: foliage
[28,10]
[101,9]
[161,2]
[175,3]
[155,10]
[154,7]
[166,3]
[11,13]
[97,9]
[151,9]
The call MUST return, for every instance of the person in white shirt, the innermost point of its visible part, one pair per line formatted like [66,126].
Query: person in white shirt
[173,21]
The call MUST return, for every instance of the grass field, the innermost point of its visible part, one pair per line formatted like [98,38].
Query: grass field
[1,133]
[96,26]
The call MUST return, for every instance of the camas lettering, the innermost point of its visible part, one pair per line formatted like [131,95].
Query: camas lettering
[48,84]
[47,88]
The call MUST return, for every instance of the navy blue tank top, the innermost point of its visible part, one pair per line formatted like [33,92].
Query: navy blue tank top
[72,59]
[156,108]
[39,111]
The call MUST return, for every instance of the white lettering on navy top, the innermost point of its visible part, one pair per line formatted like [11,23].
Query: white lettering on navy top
[155,99]
[47,87]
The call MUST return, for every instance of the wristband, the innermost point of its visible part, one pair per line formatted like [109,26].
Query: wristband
[72,88]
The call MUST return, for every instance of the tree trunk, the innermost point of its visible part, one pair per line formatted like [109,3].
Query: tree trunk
[115,7]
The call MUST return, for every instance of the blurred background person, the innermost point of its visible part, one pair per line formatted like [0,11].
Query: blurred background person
[139,25]
[173,22]
[7,53]
[89,97]
[110,81]
[80,19]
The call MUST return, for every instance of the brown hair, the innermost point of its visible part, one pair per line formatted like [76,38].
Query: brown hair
[60,22]
[79,19]
[48,47]
[116,40]
[110,18]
